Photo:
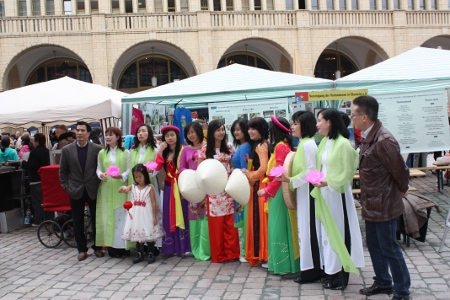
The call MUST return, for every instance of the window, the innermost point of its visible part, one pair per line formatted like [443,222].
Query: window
[2,9]
[327,64]
[58,68]
[115,6]
[36,4]
[329,4]
[396,4]
[22,8]
[421,5]
[158,6]
[289,5]
[314,4]
[342,5]
[410,7]
[372,5]
[230,5]
[245,5]
[80,7]
[355,5]
[244,58]
[384,4]
[433,4]
[67,7]
[94,6]
[138,75]
[269,4]
[301,4]
[217,7]
[258,4]
[171,5]
[142,6]
[50,7]
[128,6]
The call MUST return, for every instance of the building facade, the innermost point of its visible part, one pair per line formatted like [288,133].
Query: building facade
[132,45]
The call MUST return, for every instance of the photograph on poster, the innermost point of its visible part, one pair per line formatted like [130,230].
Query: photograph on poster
[220,118]
[346,104]
[280,113]
[242,116]
[254,115]
[267,113]
[316,111]
[148,120]
[309,107]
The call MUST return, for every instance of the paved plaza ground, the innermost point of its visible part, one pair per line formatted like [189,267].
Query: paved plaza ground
[30,271]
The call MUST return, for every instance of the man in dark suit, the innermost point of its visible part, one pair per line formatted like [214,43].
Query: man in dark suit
[77,173]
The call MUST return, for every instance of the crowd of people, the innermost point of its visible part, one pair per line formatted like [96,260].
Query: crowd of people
[320,240]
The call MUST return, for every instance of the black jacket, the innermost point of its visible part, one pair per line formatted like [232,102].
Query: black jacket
[39,157]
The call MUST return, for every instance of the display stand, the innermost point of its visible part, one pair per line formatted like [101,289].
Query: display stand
[14,190]
[447,226]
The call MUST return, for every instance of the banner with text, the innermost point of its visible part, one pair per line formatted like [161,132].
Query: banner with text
[419,120]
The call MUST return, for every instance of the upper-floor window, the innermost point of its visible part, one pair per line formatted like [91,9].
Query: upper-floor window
[115,8]
[384,4]
[421,5]
[128,6]
[217,6]
[230,6]
[433,4]
[373,5]
[142,6]
[342,5]
[244,58]
[67,7]
[269,4]
[2,8]
[258,4]
[301,4]
[329,4]
[289,5]
[410,5]
[36,4]
[171,5]
[245,5]
[80,7]
[94,6]
[396,4]
[355,5]
[158,6]
[314,4]
[22,8]
[50,7]
[204,4]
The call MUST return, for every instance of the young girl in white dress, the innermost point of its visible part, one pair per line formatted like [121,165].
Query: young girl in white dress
[143,223]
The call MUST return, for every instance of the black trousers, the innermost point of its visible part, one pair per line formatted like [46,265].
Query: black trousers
[36,203]
[77,206]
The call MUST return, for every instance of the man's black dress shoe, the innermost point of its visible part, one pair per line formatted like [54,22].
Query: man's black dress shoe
[398,297]
[376,289]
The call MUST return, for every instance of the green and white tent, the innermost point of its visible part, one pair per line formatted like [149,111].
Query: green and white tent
[232,83]
[418,69]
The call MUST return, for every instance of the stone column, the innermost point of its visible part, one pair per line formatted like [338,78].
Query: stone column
[43,10]
[238,5]
[29,8]
[98,66]
[428,4]
[251,5]
[210,5]
[322,4]
[416,5]
[264,4]
[177,6]
[121,6]
[165,5]
[74,7]
[58,7]
[223,5]
[87,6]
[135,6]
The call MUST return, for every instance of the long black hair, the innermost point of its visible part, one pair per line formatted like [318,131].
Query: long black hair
[27,141]
[198,131]
[307,123]
[211,142]
[337,125]
[177,149]
[278,135]
[261,125]
[150,138]
[243,125]
[141,169]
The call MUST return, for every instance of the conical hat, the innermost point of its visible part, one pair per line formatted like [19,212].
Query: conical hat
[211,177]
[238,187]
[289,196]
[188,187]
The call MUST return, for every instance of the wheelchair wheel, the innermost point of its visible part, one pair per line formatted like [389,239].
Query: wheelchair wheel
[68,234]
[49,234]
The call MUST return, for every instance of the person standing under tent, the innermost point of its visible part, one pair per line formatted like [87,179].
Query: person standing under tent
[340,242]
[198,220]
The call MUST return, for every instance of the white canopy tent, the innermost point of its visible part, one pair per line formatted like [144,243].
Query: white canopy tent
[60,101]
[418,69]
[232,83]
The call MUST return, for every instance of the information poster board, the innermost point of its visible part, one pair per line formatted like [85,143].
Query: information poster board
[419,120]
[228,112]
[154,115]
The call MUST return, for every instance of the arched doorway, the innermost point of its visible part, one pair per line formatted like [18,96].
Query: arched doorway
[244,58]
[150,71]
[57,68]
[333,65]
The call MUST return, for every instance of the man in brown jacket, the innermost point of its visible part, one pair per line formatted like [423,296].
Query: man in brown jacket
[384,181]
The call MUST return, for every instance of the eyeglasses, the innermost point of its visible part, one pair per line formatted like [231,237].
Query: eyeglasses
[352,115]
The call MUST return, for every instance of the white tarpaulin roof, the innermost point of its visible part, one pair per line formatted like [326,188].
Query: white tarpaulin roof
[58,101]
[231,83]
[415,70]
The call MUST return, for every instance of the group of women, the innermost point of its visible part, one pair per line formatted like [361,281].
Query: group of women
[321,238]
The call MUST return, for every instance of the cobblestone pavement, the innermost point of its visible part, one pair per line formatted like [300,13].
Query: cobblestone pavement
[30,271]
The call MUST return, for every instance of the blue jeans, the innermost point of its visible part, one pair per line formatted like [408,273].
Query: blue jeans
[386,254]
